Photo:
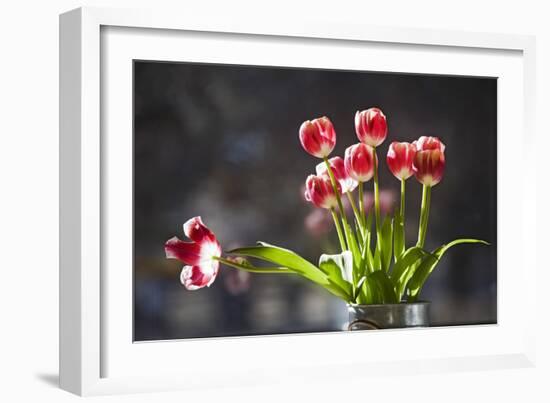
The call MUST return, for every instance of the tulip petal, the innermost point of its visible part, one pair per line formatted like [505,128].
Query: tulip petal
[195,230]
[425,143]
[198,276]
[187,252]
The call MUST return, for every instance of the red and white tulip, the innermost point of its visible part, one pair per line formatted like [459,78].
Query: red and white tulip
[371,126]
[318,137]
[429,161]
[320,192]
[201,267]
[400,159]
[347,183]
[359,162]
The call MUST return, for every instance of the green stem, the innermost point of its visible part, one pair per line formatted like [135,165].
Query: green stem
[402,207]
[337,193]
[362,204]
[357,216]
[424,215]
[376,199]
[399,245]
[338,229]
[265,270]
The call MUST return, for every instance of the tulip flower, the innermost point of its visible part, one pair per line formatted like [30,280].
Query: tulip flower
[320,191]
[429,161]
[371,126]
[324,192]
[201,266]
[358,161]
[400,159]
[428,167]
[347,183]
[318,137]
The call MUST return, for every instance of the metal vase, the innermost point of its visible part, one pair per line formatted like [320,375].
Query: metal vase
[389,316]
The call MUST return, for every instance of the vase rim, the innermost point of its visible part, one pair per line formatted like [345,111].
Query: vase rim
[379,305]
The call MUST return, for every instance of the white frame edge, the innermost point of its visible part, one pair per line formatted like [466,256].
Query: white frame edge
[80,164]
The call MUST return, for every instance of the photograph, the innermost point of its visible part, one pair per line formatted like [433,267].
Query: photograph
[276,200]
[243,201]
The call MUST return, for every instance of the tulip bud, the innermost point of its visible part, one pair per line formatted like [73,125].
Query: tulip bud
[347,183]
[400,159]
[320,192]
[429,166]
[358,161]
[318,137]
[371,126]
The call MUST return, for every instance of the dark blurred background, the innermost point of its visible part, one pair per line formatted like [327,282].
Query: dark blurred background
[221,141]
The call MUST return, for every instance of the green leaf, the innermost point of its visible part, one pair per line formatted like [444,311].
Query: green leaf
[377,259]
[368,225]
[292,261]
[398,236]
[243,264]
[339,291]
[366,253]
[429,263]
[364,297]
[339,269]
[381,288]
[366,266]
[283,257]
[359,232]
[372,292]
[387,243]
[405,267]
[354,248]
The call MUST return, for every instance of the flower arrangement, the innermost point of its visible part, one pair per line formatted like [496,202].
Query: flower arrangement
[375,265]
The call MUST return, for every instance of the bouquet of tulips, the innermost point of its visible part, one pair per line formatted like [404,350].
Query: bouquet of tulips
[375,265]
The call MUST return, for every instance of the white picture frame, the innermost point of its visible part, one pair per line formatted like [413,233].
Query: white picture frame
[96,354]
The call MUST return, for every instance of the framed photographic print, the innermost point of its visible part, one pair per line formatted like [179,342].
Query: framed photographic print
[279,197]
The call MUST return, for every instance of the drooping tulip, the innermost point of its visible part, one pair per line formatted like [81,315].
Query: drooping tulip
[201,267]
[347,183]
[400,159]
[318,137]
[371,126]
[358,161]
[429,167]
[320,192]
